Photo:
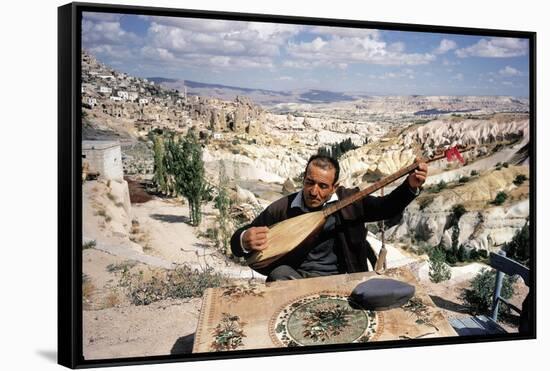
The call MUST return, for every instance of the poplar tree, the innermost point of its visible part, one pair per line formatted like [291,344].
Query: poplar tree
[223,203]
[184,157]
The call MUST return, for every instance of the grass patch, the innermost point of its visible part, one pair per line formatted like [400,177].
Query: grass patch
[179,283]
[89,245]
[121,267]
[112,300]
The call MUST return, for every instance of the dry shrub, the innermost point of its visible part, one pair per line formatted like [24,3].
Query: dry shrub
[146,287]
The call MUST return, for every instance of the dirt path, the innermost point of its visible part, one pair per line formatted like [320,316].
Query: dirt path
[168,235]
[163,327]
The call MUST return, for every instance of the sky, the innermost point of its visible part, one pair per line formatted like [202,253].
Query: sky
[283,57]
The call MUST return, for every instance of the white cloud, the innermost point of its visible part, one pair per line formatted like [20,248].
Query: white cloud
[220,44]
[345,32]
[349,50]
[101,17]
[300,64]
[175,42]
[444,46]
[509,71]
[197,24]
[160,54]
[118,53]
[286,78]
[496,47]
[405,73]
[105,33]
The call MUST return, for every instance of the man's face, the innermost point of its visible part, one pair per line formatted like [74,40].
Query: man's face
[318,185]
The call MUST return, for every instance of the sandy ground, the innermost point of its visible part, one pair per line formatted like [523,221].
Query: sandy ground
[169,236]
[113,327]
[161,328]
[161,238]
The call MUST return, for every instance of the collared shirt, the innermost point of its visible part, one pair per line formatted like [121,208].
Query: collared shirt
[299,201]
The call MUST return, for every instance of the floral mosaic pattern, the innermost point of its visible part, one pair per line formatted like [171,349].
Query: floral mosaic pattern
[229,334]
[421,311]
[239,291]
[324,319]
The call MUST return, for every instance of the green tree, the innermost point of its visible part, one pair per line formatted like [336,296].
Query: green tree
[520,179]
[480,294]
[184,158]
[439,270]
[438,187]
[457,211]
[462,254]
[454,254]
[222,202]
[337,149]
[518,248]
[500,198]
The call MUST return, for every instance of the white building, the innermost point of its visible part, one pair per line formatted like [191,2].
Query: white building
[133,95]
[105,90]
[116,99]
[103,157]
[143,101]
[91,101]
[122,94]
[107,77]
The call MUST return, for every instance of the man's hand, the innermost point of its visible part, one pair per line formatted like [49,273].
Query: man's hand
[418,177]
[255,238]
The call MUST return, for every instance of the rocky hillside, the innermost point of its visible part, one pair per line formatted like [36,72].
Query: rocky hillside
[483,226]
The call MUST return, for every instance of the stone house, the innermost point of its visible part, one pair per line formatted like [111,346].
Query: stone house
[103,157]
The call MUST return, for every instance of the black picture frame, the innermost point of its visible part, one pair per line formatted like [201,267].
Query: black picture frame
[70,346]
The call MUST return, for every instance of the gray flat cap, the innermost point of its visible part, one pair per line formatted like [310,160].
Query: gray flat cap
[382,293]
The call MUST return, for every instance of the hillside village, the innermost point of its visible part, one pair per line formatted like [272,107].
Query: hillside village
[135,237]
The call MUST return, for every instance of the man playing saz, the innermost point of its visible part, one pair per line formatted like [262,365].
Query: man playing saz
[340,246]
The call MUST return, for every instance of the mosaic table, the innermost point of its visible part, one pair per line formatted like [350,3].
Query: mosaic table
[311,311]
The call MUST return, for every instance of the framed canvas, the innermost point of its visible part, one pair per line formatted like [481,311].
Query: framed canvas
[235,185]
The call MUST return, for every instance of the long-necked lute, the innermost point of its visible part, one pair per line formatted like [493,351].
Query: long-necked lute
[290,234]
